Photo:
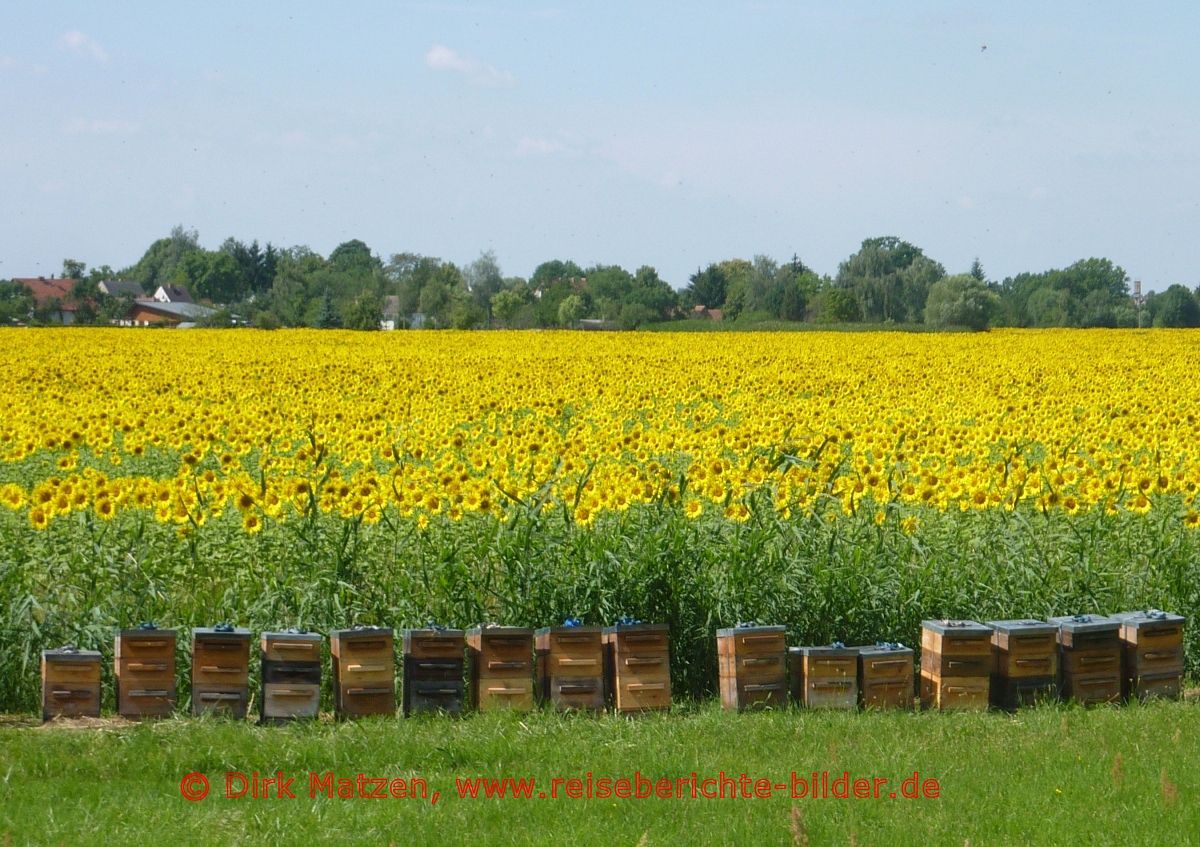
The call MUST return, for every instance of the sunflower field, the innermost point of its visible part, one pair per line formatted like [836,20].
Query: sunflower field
[847,485]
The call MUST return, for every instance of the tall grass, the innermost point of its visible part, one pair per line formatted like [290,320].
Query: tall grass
[846,579]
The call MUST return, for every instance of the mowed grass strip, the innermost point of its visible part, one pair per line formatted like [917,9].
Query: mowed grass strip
[1050,775]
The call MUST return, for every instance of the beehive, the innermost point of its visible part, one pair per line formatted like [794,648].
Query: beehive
[570,667]
[885,676]
[1153,647]
[637,660]
[956,664]
[291,675]
[1089,655]
[830,677]
[433,670]
[70,683]
[1024,663]
[364,671]
[220,670]
[144,663]
[501,667]
[752,663]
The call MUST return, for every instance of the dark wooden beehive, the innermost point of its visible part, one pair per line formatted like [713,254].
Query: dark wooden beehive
[70,683]
[364,671]
[144,662]
[637,658]
[1089,656]
[830,677]
[433,670]
[885,676]
[570,667]
[291,675]
[220,671]
[956,664]
[752,664]
[1153,646]
[501,667]
[1024,663]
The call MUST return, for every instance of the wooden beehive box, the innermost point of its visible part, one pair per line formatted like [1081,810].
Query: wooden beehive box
[220,670]
[70,683]
[364,671]
[956,664]
[752,663]
[637,660]
[1024,663]
[1153,646]
[501,667]
[291,675]
[570,667]
[1089,656]
[830,676]
[885,676]
[144,662]
[433,670]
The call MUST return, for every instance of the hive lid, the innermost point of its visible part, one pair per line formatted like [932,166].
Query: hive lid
[563,628]
[1085,623]
[497,629]
[147,629]
[219,631]
[957,627]
[432,632]
[1148,617]
[750,629]
[884,647]
[292,635]
[70,653]
[837,650]
[1023,626]
[635,626]
[360,631]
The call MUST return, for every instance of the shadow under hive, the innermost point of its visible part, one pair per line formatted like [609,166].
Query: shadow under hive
[220,671]
[637,660]
[885,676]
[1089,657]
[956,664]
[1153,644]
[1024,663]
[501,667]
[752,664]
[570,667]
[291,675]
[70,683]
[144,661]
[433,670]
[830,677]
[364,671]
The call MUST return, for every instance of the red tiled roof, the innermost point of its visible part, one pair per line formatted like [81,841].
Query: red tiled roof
[44,289]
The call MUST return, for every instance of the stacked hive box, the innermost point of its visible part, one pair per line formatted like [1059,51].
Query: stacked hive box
[1153,643]
[501,667]
[638,666]
[433,670]
[364,671]
[570,667]
[753,666]
[1089,654]
[830,677]
[291,675]
[220,670]
[885,676]
[956,664]
[1024,662]
[144,660]
[70,683]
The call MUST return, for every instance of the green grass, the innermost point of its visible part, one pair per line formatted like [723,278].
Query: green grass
[1051,775]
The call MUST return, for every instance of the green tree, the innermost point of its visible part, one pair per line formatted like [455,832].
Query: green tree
[571,310]
[708,287]
[327,316]
[1175,307]
[484,279]
[889,279]
[157,265]
[214,276]
[16,303]
[73,269]
[837,305]
[506,304]
[962,300]
[365,312]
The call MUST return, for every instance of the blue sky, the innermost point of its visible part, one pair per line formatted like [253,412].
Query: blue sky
[670,134]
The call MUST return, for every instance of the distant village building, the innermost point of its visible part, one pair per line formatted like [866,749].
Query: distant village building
[172,294]
[391,312]
[120,288]
[154,313]
[702,311]
[52,297]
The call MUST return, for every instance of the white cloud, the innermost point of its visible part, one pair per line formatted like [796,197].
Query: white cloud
[529,146]
[442,58]
[98,126]
[84,45]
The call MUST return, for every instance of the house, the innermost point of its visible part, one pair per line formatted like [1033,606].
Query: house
[147,312]
[120,288]
[701,311]
[52,297]
[172,294]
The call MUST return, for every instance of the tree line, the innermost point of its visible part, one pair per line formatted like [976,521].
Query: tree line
[887,282]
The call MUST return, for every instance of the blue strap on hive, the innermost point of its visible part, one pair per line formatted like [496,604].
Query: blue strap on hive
[838,645]
[628,620]
[572,622]
[147,625]
[746,624]
[889,645]
[223,626]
